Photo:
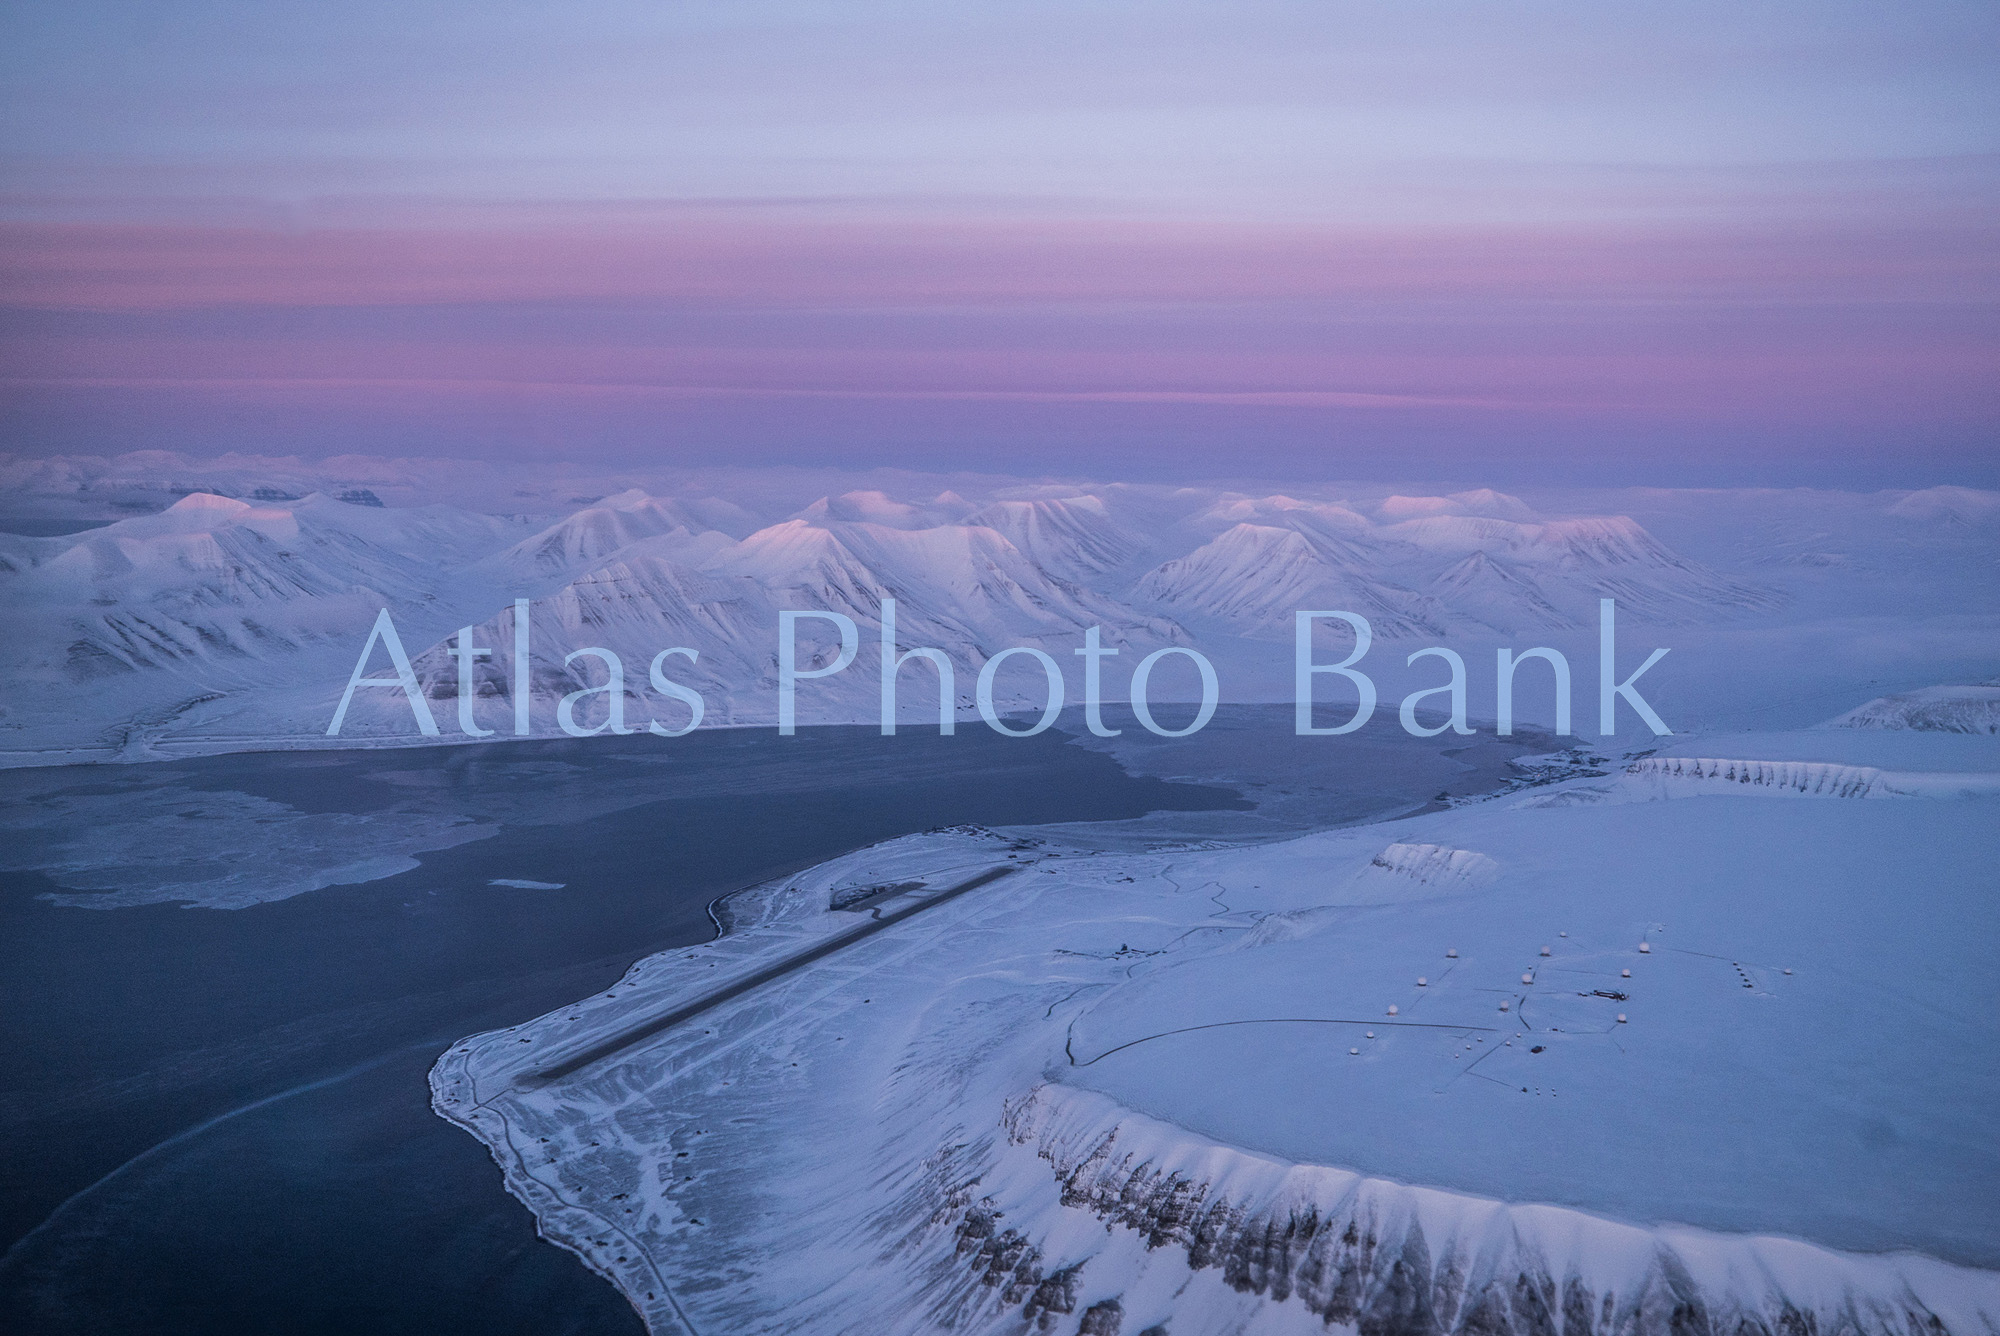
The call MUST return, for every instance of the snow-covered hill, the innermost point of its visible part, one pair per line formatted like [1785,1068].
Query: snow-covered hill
[1253,578]
[211,590]
[579,542]
[1944,709]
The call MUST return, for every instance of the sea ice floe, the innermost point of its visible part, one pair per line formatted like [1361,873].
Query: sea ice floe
[167,842]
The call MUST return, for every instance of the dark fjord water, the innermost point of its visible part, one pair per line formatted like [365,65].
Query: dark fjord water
[217,1120]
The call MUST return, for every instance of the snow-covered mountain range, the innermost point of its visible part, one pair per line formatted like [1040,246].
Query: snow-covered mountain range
[220,621]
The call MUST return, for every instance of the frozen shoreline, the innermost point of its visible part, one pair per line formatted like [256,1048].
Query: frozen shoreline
[893,1138]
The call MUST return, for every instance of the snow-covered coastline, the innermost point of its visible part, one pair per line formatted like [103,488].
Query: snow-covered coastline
[1205,1091]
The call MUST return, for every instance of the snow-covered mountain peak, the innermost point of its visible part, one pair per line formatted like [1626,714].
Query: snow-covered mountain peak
[1481,501]
[1939,709]
[1459,534]
[200,534]
[1281,510]
[873,506]
[199,501]
[1501,596]
[779,548]
[1074,533]
[197,512]
[1956,505]
[591,535]
[1243,550]
[1254,577]
[964,581]
[1604,540]
[1072,506]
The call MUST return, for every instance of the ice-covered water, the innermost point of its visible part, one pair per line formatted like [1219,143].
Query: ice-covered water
[249,1071]
[291,1030]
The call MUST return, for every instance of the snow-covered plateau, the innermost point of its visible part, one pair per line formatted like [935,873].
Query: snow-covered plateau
[222,604]
[1703,1043]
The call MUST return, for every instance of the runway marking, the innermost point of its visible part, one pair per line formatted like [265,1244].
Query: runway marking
[624,1039]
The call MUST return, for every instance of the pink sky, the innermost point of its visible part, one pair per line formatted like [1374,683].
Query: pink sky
[1747,246]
